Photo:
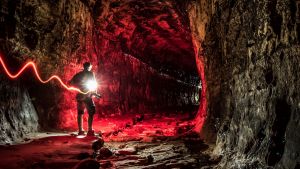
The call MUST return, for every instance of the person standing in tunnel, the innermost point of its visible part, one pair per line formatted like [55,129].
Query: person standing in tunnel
[86,82]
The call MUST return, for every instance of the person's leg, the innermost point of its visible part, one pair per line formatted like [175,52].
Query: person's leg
[80,111]
[91,111]
[90,122]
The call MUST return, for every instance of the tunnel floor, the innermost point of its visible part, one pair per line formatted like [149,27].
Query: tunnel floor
[138,127]
[146,144]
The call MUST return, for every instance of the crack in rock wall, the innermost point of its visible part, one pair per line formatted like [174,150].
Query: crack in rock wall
[251,53]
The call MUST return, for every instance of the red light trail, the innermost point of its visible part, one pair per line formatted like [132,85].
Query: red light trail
[33,66]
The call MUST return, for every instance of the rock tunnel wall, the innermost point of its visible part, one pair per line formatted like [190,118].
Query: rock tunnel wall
[17,114]
[251,55]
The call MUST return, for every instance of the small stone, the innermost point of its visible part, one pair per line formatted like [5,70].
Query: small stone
[127,151]
[115,133]
[150,158]
[140,118]
[100,134]
[128,125]
[98,144]
[104,153]
[26,139]
[122,146]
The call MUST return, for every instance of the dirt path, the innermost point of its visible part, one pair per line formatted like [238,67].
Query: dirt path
[66,151]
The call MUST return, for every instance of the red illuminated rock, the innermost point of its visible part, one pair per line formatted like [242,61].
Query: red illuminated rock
[104,153]
[98,144]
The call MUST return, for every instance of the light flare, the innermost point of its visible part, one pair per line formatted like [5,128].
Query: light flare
[33,66]
[91,85]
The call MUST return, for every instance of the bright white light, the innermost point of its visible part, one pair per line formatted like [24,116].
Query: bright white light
[91,85]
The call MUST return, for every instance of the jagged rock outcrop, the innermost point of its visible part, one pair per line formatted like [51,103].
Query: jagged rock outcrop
[17,114]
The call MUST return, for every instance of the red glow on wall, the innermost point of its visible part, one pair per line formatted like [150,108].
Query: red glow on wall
[33,66]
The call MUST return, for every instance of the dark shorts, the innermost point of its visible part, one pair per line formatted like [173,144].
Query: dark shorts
[87,103]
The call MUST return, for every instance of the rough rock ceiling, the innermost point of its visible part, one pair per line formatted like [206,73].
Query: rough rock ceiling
[156,32]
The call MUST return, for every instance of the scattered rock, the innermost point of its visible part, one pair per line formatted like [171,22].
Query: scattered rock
[127,151]
[140,118]
[100,134]
[150,159]
[122,146]
[27,139]
[115,133]
[98,144]
[128,125]
[104,153]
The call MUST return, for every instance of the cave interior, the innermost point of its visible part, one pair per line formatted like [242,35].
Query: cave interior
[183,83]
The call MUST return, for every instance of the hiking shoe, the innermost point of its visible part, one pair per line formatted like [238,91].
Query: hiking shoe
[80,133]
[91,133]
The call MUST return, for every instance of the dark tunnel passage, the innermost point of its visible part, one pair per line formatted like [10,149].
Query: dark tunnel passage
[143,59]
[183,83]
